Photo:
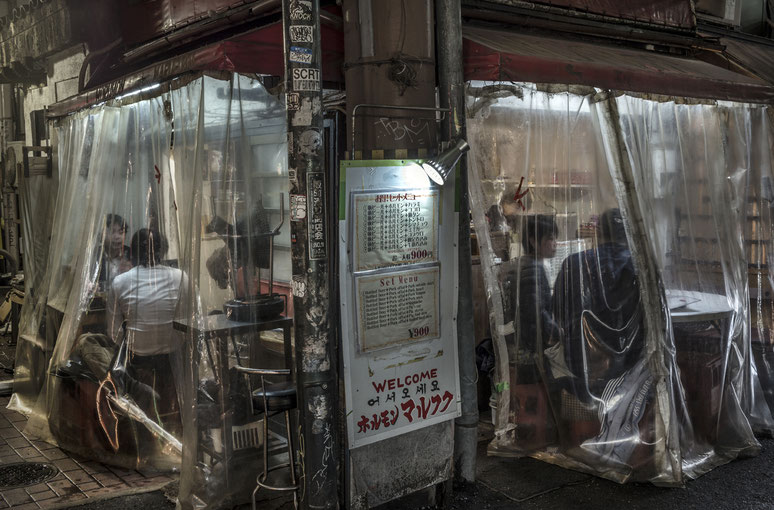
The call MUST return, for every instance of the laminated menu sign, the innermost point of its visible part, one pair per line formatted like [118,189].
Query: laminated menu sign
[395,227]
[398,307]
[397,295]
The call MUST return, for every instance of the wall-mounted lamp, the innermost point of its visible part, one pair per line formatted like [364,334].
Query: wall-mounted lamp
[439,168]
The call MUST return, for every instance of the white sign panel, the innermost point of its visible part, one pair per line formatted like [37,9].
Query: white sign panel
[397,307]
[398,295]
[395,227]
[422,394]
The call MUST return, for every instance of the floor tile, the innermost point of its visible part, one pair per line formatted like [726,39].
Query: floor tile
[27,506]
[90,486]
[41,496]
[54,454]
[16,497]
[19,442]
[41,487]
[66,465]
[107,479]
[27,453]
[79,476]
[10,459]
[9,432]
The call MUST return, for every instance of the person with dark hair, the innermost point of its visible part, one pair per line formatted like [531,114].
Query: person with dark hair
[597,302]
[115,256]
[528,294]
[146,297]
[142,303]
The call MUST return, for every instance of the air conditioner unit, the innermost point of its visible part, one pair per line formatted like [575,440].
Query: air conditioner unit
[728,12]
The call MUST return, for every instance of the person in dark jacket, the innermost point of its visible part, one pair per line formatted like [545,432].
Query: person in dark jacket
[528,295]
[597,303]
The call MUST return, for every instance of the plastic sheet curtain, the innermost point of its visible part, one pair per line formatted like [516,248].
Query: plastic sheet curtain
[690,165]
[758,242]
[168,215]
[231,165]
[37,201]
[611,232]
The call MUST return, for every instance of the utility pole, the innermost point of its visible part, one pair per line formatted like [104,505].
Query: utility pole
[310,249]
[448,21]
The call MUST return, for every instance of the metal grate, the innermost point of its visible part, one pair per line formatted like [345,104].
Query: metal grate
[23,474]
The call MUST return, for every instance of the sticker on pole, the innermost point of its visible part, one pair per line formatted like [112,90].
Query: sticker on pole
[318,240]
[297,207]
[301,10]
[301,33]
[293,101]
[300,55]
[306,79]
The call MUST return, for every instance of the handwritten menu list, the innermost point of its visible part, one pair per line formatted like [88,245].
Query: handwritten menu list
[394,228]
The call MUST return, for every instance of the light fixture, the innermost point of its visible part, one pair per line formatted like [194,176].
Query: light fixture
[439,168]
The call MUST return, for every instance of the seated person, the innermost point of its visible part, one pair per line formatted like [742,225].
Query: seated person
[597,303]
[145,299]
[528,294]
[115,257]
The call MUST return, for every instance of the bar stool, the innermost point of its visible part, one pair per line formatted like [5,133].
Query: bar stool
[270,400]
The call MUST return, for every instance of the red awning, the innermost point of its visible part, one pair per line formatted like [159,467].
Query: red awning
[506,56]
[260,51]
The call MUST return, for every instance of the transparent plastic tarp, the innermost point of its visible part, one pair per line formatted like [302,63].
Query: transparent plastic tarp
[37,200]
[758,243]
[169,265]
[586,208]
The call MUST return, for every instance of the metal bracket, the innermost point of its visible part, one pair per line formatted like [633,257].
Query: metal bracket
[40,163]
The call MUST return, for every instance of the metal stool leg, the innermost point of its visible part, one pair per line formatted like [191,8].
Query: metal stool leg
[291,459]
[291,464]
[262,476]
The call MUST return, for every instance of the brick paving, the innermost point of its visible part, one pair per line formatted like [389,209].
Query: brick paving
[78,481]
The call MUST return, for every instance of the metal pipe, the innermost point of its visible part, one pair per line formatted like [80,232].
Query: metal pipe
[387,107]
[448,31]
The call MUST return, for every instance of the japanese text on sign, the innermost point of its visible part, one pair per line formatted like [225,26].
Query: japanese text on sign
[395,228]
[315,188]
[397,307]
[404,400]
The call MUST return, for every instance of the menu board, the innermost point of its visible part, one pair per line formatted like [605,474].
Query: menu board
[398,295]
[395,227]
[397,307]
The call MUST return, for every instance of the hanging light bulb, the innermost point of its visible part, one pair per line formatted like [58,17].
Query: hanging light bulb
[439,168]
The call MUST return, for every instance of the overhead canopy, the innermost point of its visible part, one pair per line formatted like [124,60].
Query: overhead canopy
[678,14]
[756,58]
[259,51]
[506,56]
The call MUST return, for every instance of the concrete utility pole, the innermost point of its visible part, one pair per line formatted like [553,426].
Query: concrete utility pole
[310,239]
[448,29]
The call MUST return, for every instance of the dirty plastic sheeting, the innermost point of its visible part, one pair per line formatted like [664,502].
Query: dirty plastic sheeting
[166,205]
[587,206]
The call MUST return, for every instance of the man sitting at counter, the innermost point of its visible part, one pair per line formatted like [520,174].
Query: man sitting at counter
[597,303]
[141,307]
